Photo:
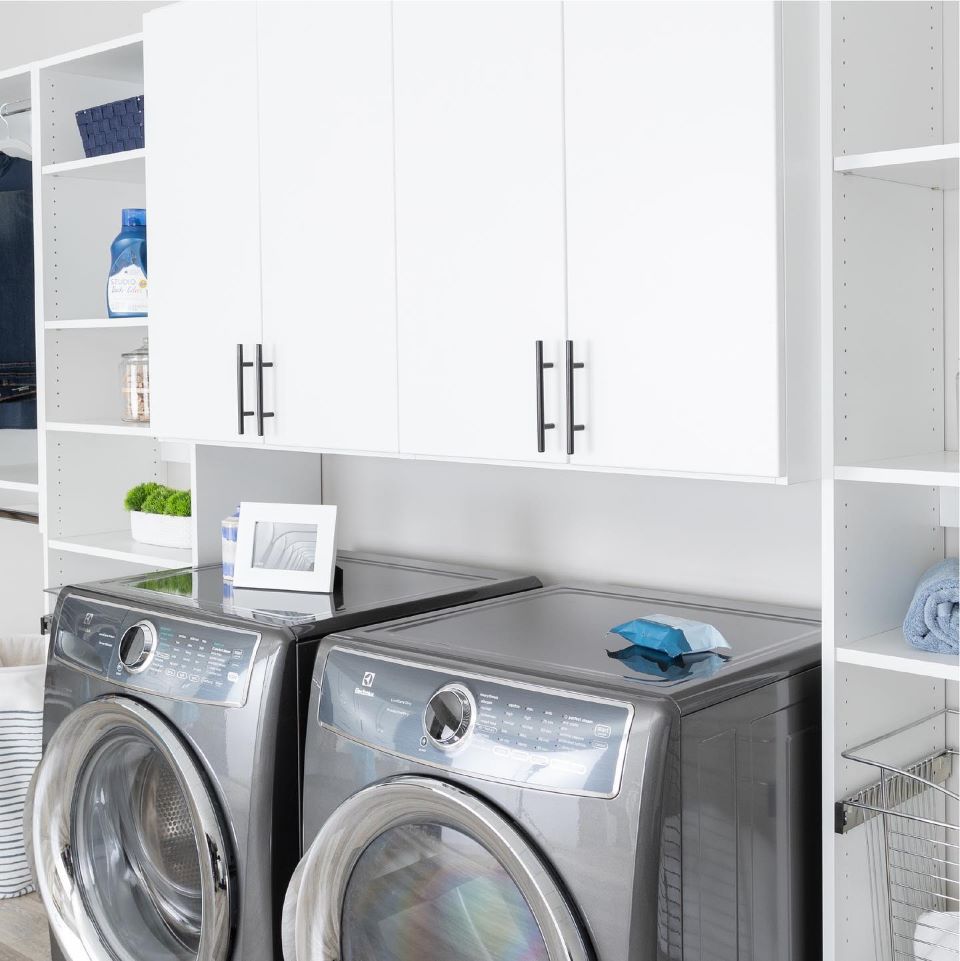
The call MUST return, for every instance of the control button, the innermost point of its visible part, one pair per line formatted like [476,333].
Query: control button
[233,677]
[170,673]
[519,755]
[500,751]
[603,730]
[195,678]
[138,646]
[601,745]
[182,675]
[449,716]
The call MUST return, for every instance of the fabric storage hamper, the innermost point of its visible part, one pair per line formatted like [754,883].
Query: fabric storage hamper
[23,661]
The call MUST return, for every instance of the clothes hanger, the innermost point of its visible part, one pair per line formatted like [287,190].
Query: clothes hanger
[15,129]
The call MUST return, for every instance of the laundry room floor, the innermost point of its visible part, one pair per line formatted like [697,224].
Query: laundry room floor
[23,930]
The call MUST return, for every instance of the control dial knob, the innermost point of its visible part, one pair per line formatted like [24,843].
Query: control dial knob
[138,644]
[449,716]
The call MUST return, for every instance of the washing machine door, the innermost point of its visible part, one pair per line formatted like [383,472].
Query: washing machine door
[418,868]
[127,848]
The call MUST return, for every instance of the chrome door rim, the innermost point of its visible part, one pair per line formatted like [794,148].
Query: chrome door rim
[48,822]
[312,907]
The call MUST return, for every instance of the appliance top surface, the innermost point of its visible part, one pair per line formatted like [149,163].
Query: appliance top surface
[563,632]
[364,583]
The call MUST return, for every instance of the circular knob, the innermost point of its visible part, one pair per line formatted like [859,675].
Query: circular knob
[137,646]
[449,715]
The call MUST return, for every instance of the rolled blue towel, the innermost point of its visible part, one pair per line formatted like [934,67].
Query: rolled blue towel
[932,622]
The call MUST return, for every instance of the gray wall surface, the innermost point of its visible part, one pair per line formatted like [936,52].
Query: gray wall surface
[748,541]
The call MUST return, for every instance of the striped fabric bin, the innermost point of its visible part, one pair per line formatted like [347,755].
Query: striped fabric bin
[22,666]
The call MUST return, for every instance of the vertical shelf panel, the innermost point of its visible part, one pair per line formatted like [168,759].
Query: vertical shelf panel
[888,320]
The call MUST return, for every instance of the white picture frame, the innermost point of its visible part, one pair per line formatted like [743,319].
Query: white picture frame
[273,547]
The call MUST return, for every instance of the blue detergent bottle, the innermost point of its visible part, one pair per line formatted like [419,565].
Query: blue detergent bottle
[127,283]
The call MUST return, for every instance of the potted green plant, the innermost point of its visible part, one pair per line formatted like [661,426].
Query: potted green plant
[159,515]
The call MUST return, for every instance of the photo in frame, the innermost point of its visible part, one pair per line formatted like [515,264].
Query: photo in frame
[286,547]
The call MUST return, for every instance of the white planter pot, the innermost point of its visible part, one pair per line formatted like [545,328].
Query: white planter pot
[161,530]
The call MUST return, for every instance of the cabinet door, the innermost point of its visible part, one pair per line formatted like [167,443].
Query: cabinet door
[202,215]
[673,235]
[479,160]
[329,281]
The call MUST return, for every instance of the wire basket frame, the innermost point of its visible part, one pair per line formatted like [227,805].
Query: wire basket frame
[913,848]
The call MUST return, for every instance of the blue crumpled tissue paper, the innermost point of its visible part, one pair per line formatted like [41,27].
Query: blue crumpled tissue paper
[672,636]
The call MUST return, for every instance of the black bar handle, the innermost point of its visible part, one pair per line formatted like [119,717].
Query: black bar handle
[261,413]
[241,413]
[572,427]
[542,428]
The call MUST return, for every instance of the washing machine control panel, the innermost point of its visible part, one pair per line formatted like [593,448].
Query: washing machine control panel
[480,726]
[156,654]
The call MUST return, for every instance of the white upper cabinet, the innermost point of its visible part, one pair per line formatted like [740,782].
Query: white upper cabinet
[674,236]
[407,205]
[327,224]
[200,82]
[479,192]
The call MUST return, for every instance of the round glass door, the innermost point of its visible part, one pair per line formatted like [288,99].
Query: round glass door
[127,847]
[136,852]
[429,891]
[417,868]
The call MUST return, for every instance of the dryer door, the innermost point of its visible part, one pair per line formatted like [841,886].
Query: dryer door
[127,848]
[415,867]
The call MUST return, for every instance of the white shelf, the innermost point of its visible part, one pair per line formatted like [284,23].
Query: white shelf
[120,546]
[92,427]
[934,166]
[127,166]
[890,652]
[19,477]
[938,469]
[96,323]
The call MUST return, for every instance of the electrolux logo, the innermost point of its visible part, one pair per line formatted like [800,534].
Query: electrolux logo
[367,683]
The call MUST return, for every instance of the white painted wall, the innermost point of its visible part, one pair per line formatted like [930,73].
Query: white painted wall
[737,540]
[21,577]
[30,30]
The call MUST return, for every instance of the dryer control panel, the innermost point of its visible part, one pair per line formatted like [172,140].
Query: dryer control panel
[477,725]
[154,653]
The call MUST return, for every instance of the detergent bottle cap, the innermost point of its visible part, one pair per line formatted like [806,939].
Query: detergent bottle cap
[134,217]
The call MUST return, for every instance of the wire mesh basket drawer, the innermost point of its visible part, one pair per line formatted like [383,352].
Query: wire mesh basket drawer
[112,127]
[909,816]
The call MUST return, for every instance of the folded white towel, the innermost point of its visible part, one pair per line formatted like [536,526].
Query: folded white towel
[937,936]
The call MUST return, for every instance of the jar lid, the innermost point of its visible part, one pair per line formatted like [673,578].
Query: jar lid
[141,352]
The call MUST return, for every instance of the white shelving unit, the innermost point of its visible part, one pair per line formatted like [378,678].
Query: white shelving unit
[118,429]
[94,323]
[88,456]
[937,468]
[125,167]
[890,253]
[936,166]
[119,546]
[19,477]
[888,652]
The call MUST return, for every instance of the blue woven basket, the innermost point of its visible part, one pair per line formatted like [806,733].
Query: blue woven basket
[112,127]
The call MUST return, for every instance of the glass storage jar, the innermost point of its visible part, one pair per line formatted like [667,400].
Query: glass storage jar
[135,384]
